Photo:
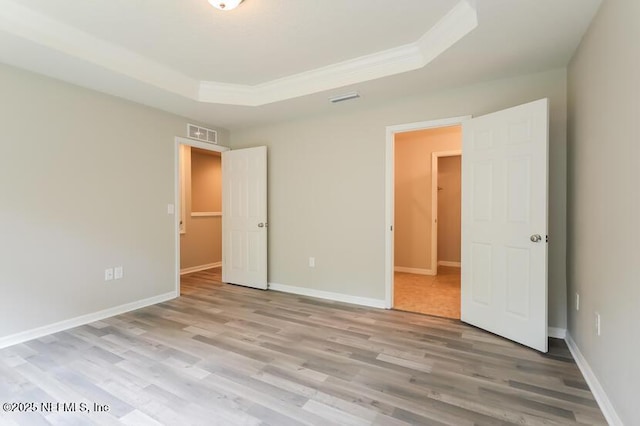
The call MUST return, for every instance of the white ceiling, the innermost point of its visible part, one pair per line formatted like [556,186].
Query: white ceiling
[288,56]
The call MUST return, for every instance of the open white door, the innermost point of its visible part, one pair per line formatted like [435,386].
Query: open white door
[504,223]
[244,217]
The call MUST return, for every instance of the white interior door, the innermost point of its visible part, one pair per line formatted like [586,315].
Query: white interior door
[504,223]
[244,217]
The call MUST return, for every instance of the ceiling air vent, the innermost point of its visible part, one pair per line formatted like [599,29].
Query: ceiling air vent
[344,97]
[202,134]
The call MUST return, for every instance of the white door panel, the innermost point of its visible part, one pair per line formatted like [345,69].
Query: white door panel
[244,217]
[504,203]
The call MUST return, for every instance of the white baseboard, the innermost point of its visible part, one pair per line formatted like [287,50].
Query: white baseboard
[328,295]
[557,333]
[419,271]
[200,268]
[594,384]
[36,333]
[449,263]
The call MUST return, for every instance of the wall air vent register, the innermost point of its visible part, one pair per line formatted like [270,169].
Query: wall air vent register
[202,134]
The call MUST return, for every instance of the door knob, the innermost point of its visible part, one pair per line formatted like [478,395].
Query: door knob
[536,238]
[261,225]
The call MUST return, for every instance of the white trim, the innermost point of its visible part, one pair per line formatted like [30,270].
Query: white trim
[434,203]
[199,268]
[182,153]
[206,214]
[556,332]
[430,124]
[197,144]
[389,214]
[27,24]
[419,271]
[38,332]
[389,197]
[176,192]
[328,295]
[597,390]
[449,263]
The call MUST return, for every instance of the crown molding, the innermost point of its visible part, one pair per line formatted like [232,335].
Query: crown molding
[42,30]
[456,24]
[365,68]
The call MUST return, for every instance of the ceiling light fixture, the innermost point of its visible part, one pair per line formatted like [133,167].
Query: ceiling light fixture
[345,97]
[225,4]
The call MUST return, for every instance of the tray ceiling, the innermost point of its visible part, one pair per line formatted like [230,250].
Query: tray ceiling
[186,57]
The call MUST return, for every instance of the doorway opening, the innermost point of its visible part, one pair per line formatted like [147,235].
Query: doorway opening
[198,179]
[423,250]
[427,221]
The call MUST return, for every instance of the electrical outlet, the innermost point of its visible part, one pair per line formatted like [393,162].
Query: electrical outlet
[598,323]
[118,272]
[312,262]
[577,301]
[108,274]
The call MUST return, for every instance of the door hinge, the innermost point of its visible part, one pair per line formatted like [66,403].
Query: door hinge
[391,228]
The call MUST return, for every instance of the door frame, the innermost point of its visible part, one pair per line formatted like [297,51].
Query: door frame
[177,192]
[435,156]
[389,189]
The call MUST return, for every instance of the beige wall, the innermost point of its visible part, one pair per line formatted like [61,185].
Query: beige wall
[206,181]
[85,180]
[201,244]
[604,202]
[327,179]
[412,194]
[449,208]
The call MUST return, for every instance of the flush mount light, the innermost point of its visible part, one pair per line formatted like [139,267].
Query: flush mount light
[225,4]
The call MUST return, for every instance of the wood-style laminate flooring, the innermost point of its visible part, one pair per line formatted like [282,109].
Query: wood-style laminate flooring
[437,295]
[228,355]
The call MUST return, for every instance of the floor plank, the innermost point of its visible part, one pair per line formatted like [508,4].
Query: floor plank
[229,355]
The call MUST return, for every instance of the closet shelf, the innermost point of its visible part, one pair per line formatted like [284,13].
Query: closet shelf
[206,214]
